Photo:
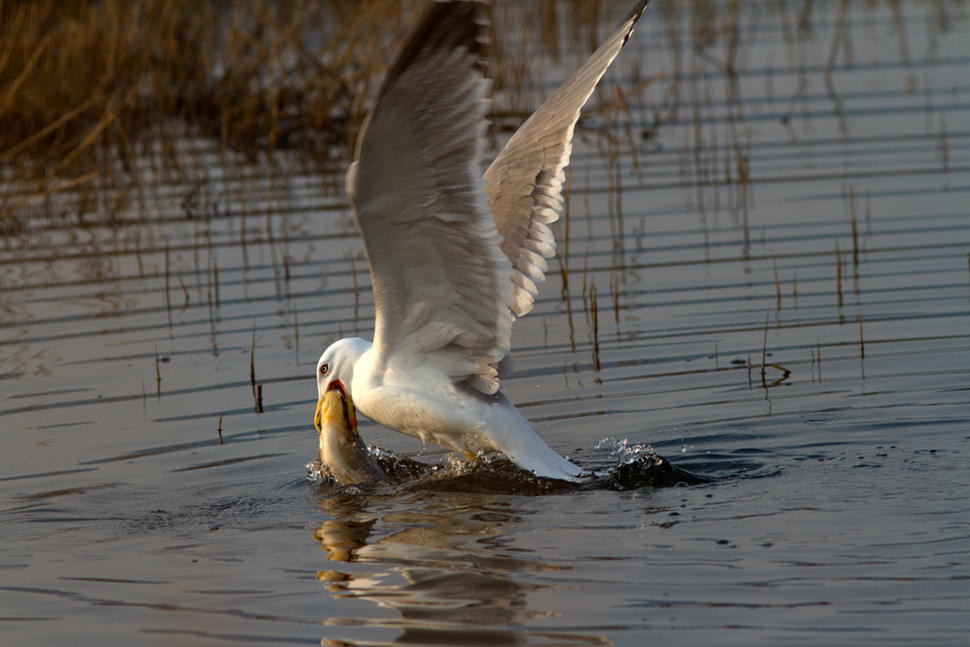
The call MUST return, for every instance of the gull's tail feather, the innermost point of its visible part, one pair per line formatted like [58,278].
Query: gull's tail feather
[515,437]
[531,453]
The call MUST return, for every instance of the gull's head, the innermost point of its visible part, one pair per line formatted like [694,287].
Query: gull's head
[335,370]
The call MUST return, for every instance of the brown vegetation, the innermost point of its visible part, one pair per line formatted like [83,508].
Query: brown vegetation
[90,90]
[86,88]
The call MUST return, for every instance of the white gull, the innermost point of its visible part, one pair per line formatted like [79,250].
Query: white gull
[455,260]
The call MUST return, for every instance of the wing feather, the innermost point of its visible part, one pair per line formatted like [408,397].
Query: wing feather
[442,286]
[448,276]
[524,183]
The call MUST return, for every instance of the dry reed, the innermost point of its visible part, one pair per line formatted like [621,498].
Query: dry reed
[87,89]
[91,90]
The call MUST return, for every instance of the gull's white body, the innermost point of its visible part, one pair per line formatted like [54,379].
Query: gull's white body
[454,259]
[422,402]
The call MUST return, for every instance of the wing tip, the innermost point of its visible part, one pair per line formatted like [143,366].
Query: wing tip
[631,20]
[447,24]
[637,11]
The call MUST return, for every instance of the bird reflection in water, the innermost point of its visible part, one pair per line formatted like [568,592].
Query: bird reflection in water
[446,570]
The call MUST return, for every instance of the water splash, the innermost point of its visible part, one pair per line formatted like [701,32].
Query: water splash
[639,466]
[626,454]
[634,466]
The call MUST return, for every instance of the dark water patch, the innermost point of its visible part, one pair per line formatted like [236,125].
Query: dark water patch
[494,475]
[225,637]
[45,475]
[53,494]
[29,619]
[108,580]
[714,466]
[228,461]
[614,465]
[65,519]
[654,472]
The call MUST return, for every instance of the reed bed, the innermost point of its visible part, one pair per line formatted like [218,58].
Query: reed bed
[92,91]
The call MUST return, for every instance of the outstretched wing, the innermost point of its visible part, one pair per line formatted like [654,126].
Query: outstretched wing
[524,183]
[442,286]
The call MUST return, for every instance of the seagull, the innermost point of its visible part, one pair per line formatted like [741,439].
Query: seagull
[455,257]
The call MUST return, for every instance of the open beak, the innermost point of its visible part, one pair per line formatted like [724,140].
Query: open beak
[322,407]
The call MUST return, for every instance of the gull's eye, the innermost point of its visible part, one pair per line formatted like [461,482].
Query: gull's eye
[324,368]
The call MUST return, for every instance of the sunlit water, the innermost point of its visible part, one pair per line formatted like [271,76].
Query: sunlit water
[781,285]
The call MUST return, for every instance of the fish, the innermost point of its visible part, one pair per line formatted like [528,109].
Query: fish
[342,450]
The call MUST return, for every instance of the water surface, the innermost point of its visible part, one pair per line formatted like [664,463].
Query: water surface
[764,275]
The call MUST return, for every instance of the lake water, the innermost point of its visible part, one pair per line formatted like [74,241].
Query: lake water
[764,276]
